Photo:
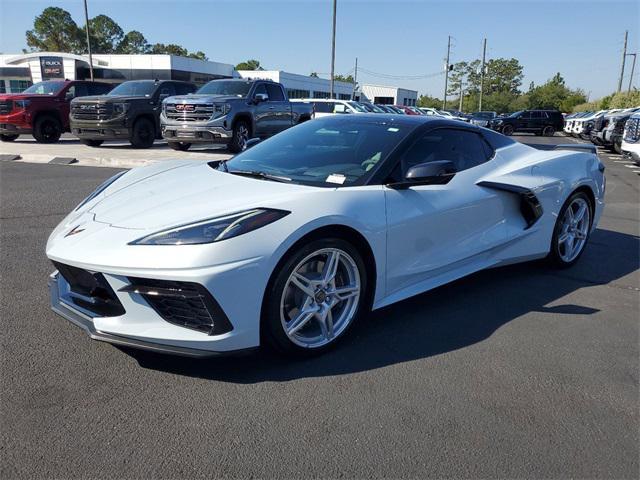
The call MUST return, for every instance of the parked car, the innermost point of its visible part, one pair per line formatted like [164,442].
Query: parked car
[409,110]
[292,240]
[540,122]
[131,111]
[482,119]
[386,108]
[230,112]
[457,114]
[42,110]
[323,107]
[631,139]
[612,137]
[371,108]
[396,110]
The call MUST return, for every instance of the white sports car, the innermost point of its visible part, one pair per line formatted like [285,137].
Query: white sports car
[292,240]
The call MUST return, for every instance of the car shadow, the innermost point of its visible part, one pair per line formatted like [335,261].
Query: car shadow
[445,319]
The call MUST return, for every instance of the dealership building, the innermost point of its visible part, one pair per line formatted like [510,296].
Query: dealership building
[18,72]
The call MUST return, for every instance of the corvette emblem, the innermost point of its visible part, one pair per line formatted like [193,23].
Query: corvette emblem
[73,231]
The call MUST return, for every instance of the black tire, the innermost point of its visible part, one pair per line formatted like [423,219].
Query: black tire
[617,147]
[143,133]
[241,134]
[47,129]
[90,142]
[548,131]
[8,138]
[271,325]
[555,258]
[180,146]
[507,130]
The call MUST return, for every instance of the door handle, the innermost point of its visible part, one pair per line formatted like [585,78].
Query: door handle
[272,108]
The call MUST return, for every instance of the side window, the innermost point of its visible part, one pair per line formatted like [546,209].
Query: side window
[97,89]
[464,148]
[81,90]
[525,115]
[323,107]
[71,93]
[275,92]
[167,89]
[184,89]
[260,88]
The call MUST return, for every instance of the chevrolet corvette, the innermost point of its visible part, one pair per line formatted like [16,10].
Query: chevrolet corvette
[293,240]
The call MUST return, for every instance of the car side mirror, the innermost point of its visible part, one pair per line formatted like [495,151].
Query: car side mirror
[260,97]
[430,173]
[69,96]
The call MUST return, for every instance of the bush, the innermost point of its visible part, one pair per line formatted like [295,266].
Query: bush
[615,100]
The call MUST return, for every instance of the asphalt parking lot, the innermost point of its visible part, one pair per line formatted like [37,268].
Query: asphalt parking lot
[520,372]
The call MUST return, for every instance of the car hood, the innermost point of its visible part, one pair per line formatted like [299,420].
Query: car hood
[110,99]
[183,192]
[195,98]
[25,96]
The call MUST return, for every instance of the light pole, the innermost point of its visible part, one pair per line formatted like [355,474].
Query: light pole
[446,74]
[86,27]
[333,47]
[633,67]
[624,57]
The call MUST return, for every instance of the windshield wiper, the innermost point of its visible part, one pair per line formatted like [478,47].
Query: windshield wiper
[258,174]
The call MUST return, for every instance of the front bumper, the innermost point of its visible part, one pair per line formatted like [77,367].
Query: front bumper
[194,134]
[15,123]
[117,128]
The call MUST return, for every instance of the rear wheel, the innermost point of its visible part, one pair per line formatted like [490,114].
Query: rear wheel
[548,131]
[240,137]
[143,133]
[315,297]
[8,138]
[47,129]
[91,143]
[572,230]
[507,130]
[181,146]
[617,147]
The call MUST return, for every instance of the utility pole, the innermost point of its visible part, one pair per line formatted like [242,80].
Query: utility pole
[86,27]
[624,57]
[446,74]
[633,67]
[333,47]
[484,55]
[355,80]
[461,93]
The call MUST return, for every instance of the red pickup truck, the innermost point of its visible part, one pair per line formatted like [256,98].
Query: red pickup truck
[43,109]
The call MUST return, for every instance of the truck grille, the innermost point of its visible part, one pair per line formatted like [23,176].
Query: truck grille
[91,111]
[598,123]
[632,130]
[5,107]
[188,112]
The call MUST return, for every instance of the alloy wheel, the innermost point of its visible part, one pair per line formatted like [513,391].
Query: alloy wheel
[320,298]
[243,136]
[574,230]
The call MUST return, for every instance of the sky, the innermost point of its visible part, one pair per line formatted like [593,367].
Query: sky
[581,39]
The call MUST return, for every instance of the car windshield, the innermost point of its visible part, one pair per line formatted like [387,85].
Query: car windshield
[226,87]
[515,114]
[357,107]
[45,88]
[326,152]
[134,89]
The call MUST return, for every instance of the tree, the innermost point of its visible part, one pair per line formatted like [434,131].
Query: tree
[503,75]
[134,43]
[343,78]
[314,74]
[198,55]
[55,31]
[249,65]
[429,101]
[554,94]
[106,35]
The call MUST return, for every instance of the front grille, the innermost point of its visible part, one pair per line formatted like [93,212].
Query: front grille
[5,107]
[632,130]
[598,124]
[91,111]
[187,112]
[90,291]
[185,304]
[619,126]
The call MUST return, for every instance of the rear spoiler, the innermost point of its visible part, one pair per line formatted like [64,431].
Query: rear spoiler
[578,147]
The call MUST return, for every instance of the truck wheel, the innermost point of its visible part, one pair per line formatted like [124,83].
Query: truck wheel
[240,136]
[8,138]
[47,129]
[181,146]
[142,134]
[617,147]
[548,131]
[507,130]
[90,142]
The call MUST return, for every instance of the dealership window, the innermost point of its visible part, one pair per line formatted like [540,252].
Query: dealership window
[18,86]
[297,93]
[319,94]
[3,89]
[344,96]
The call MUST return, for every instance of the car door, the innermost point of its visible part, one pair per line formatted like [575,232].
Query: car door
[437,230]
[280,116]
[261,113]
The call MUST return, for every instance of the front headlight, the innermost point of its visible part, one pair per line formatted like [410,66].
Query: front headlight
[103,186]
[22,104]
[220,109]
[120,108]
[214,229]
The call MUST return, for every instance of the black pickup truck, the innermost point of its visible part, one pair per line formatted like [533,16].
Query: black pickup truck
[130,111]
[230,112]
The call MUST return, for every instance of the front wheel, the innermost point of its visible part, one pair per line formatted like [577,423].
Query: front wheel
[91,143]
[507,130]
[239,137]
[143,133]
[548,131]
[572,230]
[47,129]
[315,297]
[180,146]
[8,138]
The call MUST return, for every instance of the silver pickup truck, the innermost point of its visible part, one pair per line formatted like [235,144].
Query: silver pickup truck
[230,112]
